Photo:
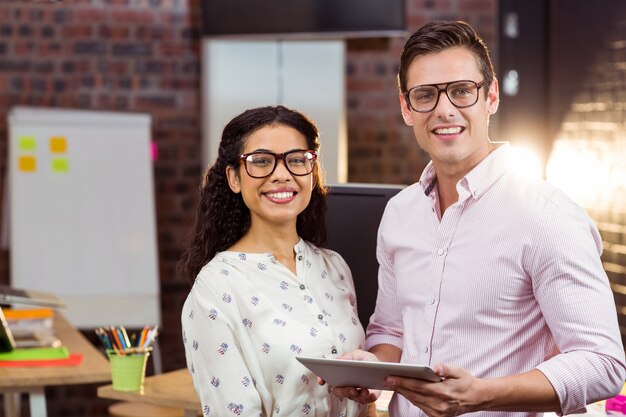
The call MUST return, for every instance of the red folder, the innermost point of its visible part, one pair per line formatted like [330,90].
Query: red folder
[74,359]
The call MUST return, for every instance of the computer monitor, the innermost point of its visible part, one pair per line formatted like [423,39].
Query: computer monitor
[352,219]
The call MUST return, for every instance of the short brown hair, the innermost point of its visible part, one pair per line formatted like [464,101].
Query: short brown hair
[439,35]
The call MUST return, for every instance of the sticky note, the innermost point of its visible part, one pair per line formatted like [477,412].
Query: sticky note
[154,151]
[27,163]
[27,143]
[60,165]
[58,144]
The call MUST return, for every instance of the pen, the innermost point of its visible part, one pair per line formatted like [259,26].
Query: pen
[143,335]
[125,336]
[151,336]
[104,338]
[116,337]
[120,336]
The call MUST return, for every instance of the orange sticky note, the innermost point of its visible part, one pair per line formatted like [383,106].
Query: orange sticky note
[60,165]
[27,163]
[58,144]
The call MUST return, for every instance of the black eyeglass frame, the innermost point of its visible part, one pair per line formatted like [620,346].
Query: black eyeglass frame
[278,157]
[440,90]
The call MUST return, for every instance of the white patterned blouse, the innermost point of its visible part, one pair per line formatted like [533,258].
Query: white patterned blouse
[246,319]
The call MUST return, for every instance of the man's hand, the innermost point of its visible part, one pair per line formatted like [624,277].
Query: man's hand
[457,394]
[360,395]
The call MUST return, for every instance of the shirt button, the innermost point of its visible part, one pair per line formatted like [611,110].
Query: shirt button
[440,252]
[299,257]
[302,286]
[426,349]
[333,351]
[319,316]
[431,301]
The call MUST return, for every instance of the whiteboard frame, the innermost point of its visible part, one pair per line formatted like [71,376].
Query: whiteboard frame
[87,234]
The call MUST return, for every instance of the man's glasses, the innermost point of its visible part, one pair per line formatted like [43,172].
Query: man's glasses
[462,94]
[261,164]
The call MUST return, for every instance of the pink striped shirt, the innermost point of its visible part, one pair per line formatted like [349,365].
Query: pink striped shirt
[507,278]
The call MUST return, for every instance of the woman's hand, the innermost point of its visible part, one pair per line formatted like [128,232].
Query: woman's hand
[360,395]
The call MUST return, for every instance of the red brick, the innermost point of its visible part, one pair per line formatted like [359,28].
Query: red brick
[77,31]
[48,49]
[91,16]
[365,85]
[133,17]
[475,6]
[176,17]
[114,32]
[176,49]
[5,14]
[22,48]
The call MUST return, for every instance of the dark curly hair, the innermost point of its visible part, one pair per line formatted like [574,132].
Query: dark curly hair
[439,35]
[222,218]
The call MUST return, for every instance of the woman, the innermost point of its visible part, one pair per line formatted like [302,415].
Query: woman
[264,290]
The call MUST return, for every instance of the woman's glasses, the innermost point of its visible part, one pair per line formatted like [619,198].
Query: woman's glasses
[261,164]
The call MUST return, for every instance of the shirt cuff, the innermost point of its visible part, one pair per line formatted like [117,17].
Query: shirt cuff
[382,339]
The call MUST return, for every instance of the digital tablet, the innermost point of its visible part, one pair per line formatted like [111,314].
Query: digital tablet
[364,374]
[7,343]
[10,295]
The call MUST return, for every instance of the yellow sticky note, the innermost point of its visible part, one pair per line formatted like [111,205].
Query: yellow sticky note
[58,144]
[60,165]
[27,163]
[27,143]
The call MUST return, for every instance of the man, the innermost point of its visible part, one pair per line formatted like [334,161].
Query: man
[492,279]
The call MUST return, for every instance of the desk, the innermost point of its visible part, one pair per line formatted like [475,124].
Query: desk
[33,380]
[175,389]
[170,389]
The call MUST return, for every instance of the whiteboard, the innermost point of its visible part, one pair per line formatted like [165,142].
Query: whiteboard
[82,214]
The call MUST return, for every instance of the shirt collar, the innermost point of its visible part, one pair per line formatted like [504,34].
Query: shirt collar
[428,180]
[480,178]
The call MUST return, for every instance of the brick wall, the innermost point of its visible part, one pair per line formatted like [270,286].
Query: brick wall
[143,56]
[381,147]
[119,55]
[592,135]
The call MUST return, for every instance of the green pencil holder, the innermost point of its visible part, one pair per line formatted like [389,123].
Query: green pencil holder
[128,371]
